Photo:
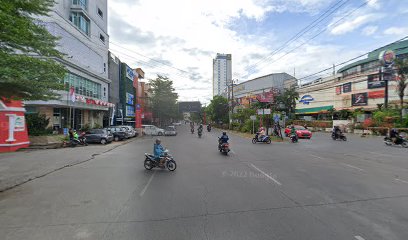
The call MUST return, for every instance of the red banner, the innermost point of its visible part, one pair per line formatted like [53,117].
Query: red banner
[376,94]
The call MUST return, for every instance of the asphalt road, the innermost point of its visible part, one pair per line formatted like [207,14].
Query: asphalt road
[314,189]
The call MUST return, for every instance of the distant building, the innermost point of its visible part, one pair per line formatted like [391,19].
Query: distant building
[222,72]
[82,26]
[189,107]
[263,88]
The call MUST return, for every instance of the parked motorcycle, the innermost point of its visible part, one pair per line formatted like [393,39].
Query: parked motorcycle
[150,162]
[401,141]
[340,136]
[294,138]
[223,147]
[256,139]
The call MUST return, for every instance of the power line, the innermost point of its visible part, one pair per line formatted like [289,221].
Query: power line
[322,31]
[342,63]
[302,32]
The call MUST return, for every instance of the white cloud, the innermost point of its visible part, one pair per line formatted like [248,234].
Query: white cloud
[369,30]
[374,4]
[399,31]
[353,24]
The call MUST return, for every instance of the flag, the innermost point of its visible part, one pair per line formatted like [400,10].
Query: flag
[72,94]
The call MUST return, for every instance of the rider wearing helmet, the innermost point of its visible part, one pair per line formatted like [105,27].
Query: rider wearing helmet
[158,150]
[223,139]
[394,135]
[262,133]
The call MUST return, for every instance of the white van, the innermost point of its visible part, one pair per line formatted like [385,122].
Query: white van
[152,130]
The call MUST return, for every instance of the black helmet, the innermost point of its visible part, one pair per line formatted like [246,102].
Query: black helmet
[224,133]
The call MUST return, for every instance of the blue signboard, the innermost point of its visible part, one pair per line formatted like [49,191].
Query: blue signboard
[306,99]
[129,98]
[130,111]
[129,73]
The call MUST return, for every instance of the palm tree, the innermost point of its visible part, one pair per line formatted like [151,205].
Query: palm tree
[402,84]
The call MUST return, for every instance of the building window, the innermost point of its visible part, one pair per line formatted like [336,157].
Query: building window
[102,38]
[104,67]
[82,3]
[100,13]
[83,86]
[79,20]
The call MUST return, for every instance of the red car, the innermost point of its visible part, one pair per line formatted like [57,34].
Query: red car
[301,132]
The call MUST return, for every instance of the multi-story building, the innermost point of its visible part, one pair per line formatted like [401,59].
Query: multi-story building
[222,73]
[81,26]
[355,86]
[263,88]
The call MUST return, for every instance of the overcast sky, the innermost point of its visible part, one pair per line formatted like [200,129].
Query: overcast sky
[185,35]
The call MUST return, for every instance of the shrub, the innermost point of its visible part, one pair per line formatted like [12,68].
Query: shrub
[247,126]
[368,123]
[37,124]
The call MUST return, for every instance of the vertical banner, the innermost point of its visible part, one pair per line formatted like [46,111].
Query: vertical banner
[138,110]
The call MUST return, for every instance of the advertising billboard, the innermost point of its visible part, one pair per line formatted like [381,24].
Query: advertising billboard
[359,99]
[347,87]
[129,98]
[373,81]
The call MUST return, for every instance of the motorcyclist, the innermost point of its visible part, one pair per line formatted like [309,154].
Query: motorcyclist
[158,150]
[209,127]
[75,135]
[394,135]
[200,128]
[223,139]
[336,131]
[293,131]
[262,134]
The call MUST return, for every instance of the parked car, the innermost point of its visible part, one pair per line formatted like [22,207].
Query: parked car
[170,131]
[119,133]
[130,130]
[152,130]
[301,132]
[176,123]
[98,136]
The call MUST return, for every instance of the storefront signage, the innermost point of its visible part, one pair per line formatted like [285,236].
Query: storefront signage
[359,99]
[91,101]
[376,94]
[373,81]
[130,111]
[129,98]
[306,99]
[347,87]
[129,73]
[19,124]
[264,111]
[338,90]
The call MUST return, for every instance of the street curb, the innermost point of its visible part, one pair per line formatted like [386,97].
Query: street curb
[22,181]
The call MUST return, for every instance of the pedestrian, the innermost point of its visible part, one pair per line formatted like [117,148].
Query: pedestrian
[71,134]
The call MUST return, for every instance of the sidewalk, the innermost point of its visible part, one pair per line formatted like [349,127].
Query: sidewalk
[17,168]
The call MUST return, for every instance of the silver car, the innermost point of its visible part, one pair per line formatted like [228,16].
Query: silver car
[130,130]
[170,131]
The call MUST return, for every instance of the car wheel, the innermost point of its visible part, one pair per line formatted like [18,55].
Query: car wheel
[116,138]
[160,134]
[103,141]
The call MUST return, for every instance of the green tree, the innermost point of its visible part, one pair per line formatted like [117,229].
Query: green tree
[217,110]
[402,71]
[164,99]
[28,69]
[288,98]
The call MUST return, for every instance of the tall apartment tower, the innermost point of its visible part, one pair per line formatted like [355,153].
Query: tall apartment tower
[222,73]
[81,26]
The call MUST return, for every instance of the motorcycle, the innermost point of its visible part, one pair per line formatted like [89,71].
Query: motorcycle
[150,162]
[340,136]
[256,139]
[223,147]
[209,128]
[294,138]
[400,141]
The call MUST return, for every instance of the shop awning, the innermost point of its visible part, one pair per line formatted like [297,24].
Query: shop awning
[314,110]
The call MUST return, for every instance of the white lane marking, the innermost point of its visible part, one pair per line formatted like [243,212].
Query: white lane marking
[400,180]
[266,175]
[147,184]
[359,238]
[316,156]
[351,166]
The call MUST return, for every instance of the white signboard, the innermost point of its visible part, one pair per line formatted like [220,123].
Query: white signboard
[253,117]
[19,123]
[264,111]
